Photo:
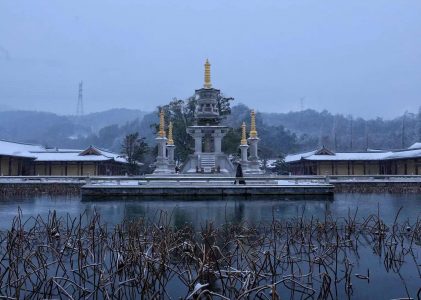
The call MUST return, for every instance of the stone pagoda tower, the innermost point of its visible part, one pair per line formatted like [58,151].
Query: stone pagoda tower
[252,164]
[208,133]
[164,163]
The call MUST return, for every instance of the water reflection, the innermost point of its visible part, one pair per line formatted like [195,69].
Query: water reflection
[180,212]
[196,212]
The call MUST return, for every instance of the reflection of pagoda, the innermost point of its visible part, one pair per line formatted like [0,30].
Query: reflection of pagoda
[207,133]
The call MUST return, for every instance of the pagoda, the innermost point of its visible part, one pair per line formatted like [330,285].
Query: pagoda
[207,133]
[165,160]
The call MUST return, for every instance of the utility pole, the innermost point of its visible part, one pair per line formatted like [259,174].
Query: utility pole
[418,135]
[352,131]
[79,107]
[366,135]
[403,130]
[301,110]
[335,140]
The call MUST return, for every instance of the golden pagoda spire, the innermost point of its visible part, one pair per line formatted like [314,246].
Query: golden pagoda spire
[170,137]
[207,84]
[253,132]
[243,134]
[161,132]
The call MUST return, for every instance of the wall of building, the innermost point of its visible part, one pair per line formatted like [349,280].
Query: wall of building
[341,168]
[389,167]
[73,170]
[89,169]
[325,168]
[78,169]
[359,168]
[14,166]
[4,165]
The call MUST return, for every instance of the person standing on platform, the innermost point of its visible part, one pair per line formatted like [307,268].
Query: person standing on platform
[239,175]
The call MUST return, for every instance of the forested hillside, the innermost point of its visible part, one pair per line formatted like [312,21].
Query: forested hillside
[67,131]
[345,133]
[280,133]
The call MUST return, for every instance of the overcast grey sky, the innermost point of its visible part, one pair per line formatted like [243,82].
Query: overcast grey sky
[360,57]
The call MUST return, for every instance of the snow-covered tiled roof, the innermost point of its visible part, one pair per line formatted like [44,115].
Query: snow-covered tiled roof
[351,156]
[40,153]
[346,156]
[415,146]
[299,156]
[405,154]
[115,156]
[18,149]
[69,156]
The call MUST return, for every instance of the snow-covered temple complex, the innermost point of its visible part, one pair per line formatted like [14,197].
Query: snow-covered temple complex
[372,162]
[28,159]
[208,133]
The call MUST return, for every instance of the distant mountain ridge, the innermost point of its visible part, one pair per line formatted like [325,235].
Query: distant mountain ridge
[57,130]
[279,132]
[98,120]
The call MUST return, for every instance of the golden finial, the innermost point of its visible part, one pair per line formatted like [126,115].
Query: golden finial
[253,132]
[243,134]
[161,132]
[207,84]
[170,138]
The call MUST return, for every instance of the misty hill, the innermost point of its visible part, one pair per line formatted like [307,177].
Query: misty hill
[63,131]
[346,133]
[119,116]
[4,107]
[279,132]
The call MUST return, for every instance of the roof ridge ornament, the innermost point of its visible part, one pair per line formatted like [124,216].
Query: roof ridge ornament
[207,84]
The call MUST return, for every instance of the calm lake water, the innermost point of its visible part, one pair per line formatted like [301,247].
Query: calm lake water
[219,211]
[382,285]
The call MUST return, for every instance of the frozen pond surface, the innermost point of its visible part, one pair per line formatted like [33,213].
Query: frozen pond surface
[220,211]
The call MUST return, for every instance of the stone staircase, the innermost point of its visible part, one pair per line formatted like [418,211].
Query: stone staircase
[207,162]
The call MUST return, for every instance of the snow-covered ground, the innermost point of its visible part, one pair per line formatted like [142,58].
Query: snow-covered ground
[300,182]
[289,181]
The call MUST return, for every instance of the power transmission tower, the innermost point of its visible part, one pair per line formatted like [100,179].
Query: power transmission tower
[403,130]
[366,136]
[352,132]
[79,107]
[335,138]
[301,109]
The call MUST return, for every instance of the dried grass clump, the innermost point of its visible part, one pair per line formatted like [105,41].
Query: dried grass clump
[83,258]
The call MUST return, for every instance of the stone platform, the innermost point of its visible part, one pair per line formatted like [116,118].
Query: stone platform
[202,187]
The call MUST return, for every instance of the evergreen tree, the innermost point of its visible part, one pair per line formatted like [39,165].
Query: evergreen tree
[281,168]
[181,113]
[135,149]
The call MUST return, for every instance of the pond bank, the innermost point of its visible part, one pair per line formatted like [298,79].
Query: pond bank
[393,187]
[14,189]
[67,186]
